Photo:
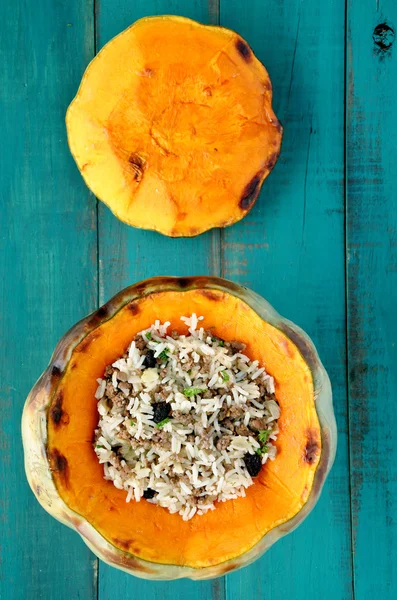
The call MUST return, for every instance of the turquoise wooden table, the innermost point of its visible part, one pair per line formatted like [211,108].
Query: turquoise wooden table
[320,244]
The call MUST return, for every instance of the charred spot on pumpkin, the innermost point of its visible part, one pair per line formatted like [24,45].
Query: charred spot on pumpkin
[321,470]
[59,465]
[279,126]
[134,308]
[124,544]
[140,289]
[56,411]
[250,193]
[56,371]
[138,166]
[57,415]
[227,569]
[244,50]
[272,161]
[102,312]
[312,448]
[127,560]
[60,462]
[207,91]
[211,295]
[86,342]
[184,282]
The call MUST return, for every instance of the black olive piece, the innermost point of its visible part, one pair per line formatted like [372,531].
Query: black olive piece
[149,493]
[117,451]
[149,361]
[161,411]
[253,462]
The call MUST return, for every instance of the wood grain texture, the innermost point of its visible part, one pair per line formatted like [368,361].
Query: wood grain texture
[47,272]
[372,298]
[290,250]
[128,255]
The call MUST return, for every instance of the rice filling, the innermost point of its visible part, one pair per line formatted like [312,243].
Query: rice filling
[185,420]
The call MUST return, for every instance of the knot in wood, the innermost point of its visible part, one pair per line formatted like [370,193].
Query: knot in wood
[383,37]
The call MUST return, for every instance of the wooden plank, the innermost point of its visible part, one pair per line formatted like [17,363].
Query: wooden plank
[128,255]
[48,272]
[290,248]
[372,297]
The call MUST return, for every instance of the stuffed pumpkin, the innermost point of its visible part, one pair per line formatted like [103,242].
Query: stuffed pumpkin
[61,418]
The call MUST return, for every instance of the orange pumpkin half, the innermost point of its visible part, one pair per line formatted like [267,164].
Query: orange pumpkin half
[173,126]
[60,417]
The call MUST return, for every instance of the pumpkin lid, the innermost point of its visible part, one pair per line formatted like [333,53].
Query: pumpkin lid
[173,126]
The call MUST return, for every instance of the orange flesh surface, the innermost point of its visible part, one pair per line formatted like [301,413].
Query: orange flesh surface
[173,127]
[149,531]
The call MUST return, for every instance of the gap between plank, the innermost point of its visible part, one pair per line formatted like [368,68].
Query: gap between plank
[345,187]
[218,236]
[96,562]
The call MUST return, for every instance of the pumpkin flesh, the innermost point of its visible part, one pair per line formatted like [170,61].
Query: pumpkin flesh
[173,128]
[149,531]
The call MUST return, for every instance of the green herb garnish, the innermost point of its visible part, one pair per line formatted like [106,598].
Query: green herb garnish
[225,376]
[163,422]
[132,422]
[192,391]
[99,446]
[220,342]
[149,337]
[264,435]
[262,451]
[164,355]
